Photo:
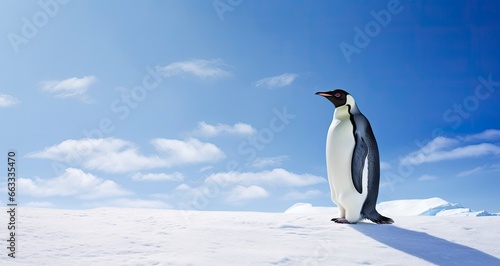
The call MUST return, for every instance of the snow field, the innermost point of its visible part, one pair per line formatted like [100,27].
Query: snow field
[303,235]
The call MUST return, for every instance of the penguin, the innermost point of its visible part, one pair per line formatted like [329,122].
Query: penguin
[352,161]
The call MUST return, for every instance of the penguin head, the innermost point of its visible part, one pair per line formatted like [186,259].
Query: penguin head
[338,97]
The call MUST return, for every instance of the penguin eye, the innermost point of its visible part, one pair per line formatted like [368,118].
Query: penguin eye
[337,95]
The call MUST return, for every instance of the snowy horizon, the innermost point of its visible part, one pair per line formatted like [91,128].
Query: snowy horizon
[434,206]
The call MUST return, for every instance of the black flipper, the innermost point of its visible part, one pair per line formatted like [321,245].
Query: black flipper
[368,148]
[358,162]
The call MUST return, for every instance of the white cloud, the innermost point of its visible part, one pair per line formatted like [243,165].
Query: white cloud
[277,81]
[183,187]
[480,169]
[490,134]
[187,152]
[237,187]
[427,178]
[8,100]
[119,156]
[277,177]
[70,88]
[158,177]
[470,172]
[108,155]
[441,148]
[242,193]
[439,143]
[199,68]
[73,182]
[457,153]
[385,165]
[207,130]
[261,162]
[206,168]
[296,195]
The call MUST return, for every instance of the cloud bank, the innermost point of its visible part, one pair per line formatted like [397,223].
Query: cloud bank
[73,182]
[443,148]
[114,155]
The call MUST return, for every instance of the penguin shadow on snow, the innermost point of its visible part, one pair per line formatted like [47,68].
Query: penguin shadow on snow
[424,246]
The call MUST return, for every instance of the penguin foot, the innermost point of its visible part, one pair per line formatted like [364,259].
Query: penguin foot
[384,220]
[379,219]
[341,220]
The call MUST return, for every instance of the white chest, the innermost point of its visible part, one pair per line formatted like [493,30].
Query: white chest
[340,144]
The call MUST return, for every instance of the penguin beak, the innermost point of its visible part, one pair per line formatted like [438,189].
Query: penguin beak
[324,94]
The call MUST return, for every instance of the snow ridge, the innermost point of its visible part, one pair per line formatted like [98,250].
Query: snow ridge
[413,207]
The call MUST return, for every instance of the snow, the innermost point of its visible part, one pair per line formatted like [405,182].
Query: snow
[304,235]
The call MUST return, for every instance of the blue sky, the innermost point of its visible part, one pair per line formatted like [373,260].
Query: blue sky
[210,105]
